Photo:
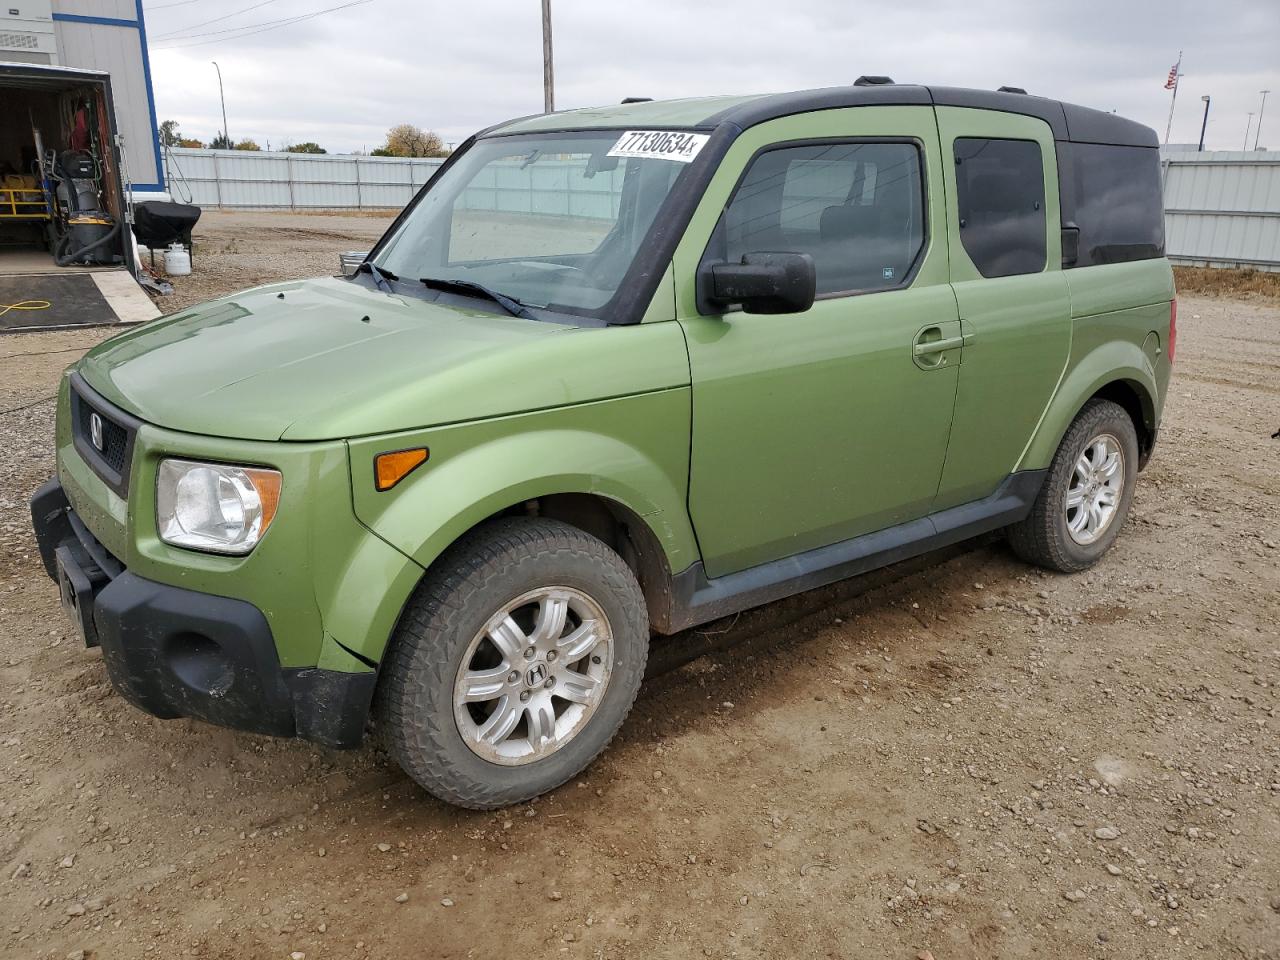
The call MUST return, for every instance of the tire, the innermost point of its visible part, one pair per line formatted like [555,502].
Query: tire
[456,618]
[1046,536]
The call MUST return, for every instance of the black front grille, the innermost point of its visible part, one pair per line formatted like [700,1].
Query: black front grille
[115,438]
[108,449]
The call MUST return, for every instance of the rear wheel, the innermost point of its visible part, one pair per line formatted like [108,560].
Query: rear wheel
[1086,496]
[515,663]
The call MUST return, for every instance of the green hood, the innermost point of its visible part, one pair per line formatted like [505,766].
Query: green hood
[328,358]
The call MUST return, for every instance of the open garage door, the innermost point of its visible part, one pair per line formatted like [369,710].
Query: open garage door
[66,250]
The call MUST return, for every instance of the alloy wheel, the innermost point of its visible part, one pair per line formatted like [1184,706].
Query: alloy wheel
[1095,489]
[533,676]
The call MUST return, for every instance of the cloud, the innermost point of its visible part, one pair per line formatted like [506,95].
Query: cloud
[344,78]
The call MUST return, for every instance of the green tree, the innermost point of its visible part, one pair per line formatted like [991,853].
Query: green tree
[309,146]
[221,142]
[247,144]
[170,135]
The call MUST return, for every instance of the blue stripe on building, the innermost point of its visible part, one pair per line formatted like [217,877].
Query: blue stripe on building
[101,21]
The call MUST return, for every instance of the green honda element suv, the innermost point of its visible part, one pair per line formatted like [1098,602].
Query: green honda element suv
[614,372]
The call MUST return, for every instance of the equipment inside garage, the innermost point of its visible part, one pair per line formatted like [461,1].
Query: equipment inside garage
[62,197]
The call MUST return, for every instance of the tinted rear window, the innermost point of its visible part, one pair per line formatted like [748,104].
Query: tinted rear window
[1000,196]
[1118,205]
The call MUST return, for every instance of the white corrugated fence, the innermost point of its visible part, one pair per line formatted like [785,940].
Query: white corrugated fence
[1222,208]
[294,181]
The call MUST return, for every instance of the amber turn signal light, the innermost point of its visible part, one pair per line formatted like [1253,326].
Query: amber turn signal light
[267,483]
[390,468]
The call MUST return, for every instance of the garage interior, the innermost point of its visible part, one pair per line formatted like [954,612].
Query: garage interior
[61,201]
[66,251]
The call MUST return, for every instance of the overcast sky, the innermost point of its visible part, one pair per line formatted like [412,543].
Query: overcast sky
[343,78]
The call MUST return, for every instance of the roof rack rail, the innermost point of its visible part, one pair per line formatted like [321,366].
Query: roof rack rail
[637,99]
[1011,90]
[867,81]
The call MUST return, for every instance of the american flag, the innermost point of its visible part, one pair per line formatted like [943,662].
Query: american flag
[1172,82]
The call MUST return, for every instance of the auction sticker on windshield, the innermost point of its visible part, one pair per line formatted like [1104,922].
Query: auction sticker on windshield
[659,145]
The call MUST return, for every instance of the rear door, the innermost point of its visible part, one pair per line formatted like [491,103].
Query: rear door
[815,427]
[1006,270]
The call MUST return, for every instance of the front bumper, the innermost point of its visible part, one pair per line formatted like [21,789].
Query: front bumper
[180,653]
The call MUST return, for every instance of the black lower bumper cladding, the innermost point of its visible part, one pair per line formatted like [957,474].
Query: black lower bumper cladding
[180,653]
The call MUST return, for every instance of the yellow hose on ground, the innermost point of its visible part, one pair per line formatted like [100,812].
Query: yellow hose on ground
[24,305]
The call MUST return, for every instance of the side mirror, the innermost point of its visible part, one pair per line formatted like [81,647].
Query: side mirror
[764,283]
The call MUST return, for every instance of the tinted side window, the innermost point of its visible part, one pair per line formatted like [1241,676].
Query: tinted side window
[1118,204]
[856,208]
[1000,195]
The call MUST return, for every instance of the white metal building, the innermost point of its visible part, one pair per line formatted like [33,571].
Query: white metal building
[107,35]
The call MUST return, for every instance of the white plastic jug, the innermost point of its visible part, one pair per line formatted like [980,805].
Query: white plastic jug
[177,262]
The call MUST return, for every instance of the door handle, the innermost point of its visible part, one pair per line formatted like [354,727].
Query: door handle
[924,348]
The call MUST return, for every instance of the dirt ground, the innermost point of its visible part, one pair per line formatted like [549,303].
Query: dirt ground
[972,758]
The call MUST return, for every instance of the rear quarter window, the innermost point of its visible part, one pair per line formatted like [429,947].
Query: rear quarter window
[1118,206]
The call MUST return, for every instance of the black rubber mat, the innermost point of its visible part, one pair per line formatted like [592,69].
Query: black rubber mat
[73,299]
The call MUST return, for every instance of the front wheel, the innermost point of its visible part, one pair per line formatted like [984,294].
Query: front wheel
[1086,496]
[515,663]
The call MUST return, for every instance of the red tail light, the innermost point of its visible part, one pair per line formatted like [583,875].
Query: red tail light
[1173,327]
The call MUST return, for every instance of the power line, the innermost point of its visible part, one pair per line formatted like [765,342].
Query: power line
[166,6]
[261,28]
[247,26]
[205,23]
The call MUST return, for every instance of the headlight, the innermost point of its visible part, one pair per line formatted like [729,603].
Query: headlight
[215,507]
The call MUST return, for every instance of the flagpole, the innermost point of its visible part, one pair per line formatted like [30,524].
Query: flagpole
[1177,77]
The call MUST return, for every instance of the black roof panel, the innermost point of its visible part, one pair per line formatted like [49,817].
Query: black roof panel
[1068,121]
[1095,126]
[776,105]
[1050,111]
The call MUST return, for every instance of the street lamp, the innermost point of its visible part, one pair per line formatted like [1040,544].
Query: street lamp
[226,136]
[1247,127]
[1258,133]
[1205,122]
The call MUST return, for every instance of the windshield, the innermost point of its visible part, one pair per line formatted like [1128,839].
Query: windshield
[547,221]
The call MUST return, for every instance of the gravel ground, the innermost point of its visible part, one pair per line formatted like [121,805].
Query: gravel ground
[971,759]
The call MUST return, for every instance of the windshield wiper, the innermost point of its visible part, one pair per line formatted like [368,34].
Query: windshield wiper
[381,278]
[510,304]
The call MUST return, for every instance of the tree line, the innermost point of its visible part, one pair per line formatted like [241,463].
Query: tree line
[403,140]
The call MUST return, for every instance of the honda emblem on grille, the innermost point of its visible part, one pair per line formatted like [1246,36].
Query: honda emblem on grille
[95,432]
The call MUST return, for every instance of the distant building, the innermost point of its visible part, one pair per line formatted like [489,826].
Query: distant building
[98,35]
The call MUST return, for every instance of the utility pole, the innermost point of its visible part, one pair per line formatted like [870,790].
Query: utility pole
[1204,123]
[1258,133]
[226,136]
[548,69]
[1248,125]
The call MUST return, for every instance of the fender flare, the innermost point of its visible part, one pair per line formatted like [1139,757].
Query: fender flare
[466,482]
[1117,361]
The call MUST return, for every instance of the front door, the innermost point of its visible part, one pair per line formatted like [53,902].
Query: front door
[813,428]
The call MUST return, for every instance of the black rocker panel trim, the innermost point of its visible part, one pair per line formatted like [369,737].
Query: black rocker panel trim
[696,599]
